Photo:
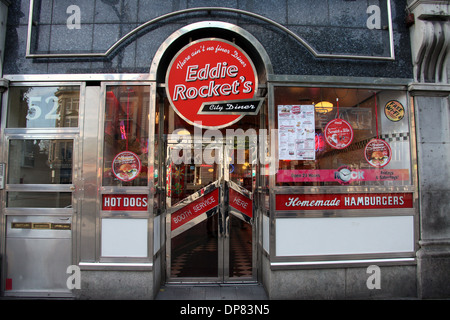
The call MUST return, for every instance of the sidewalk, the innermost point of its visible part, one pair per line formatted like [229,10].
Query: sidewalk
[212,292]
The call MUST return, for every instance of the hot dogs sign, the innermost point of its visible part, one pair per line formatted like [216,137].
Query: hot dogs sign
[212,77]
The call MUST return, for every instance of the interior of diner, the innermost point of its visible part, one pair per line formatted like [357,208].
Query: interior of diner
[362,109]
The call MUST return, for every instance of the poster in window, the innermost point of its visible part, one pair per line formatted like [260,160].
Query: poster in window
[338,134]
[296,132]
[126,166]
[378,153]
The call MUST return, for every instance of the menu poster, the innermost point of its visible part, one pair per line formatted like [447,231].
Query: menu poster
[296,132]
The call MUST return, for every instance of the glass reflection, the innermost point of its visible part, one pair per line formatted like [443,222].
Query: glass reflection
[43,107]
[39,200]
[240,248]
[40,161]
[125,150]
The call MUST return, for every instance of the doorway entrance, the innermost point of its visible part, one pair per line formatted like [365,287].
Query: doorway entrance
[210,221]
[211,80]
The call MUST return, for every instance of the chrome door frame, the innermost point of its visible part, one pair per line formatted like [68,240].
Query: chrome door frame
[228,211]
[75,134]
[169,209]
[223,210]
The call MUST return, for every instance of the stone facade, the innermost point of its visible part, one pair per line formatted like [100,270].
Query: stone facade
[429,42]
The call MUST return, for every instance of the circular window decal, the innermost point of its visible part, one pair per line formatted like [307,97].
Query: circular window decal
[338,134]
[126,166]
[394,110]
[378,153]
[214,72]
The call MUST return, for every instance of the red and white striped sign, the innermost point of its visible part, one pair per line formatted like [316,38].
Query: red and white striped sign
[241,203]
[195,209]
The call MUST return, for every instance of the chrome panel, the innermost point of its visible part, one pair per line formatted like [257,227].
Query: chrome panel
[25,249]
[340,82]
[121,190]
[341,189]
[241,216]
[115,266]
[41,187]
[274,159]
[345,263]
[87,218]
[337,257]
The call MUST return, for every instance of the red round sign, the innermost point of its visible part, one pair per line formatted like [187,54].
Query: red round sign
[126,166]
[338,133]
[209,71]
[377,153]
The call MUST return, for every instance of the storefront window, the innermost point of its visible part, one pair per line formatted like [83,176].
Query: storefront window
[335,136]
[40,161]
[43,107]
[125,150]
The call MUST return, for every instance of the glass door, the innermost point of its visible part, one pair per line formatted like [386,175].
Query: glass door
[209,199]
[42,187]
[240,234]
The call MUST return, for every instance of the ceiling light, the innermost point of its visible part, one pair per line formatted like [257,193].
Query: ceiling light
[323,107]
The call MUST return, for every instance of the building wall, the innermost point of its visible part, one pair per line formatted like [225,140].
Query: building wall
[338,27]
[431,97]
[340,283]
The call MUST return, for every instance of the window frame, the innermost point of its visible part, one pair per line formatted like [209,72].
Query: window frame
[63,133]
[270,218]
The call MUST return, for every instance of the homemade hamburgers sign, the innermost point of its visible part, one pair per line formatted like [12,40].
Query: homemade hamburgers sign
[212,83]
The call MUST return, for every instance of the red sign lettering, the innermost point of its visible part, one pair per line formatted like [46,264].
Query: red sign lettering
[195,209]
[343,201]
[124,202]
[241,203]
